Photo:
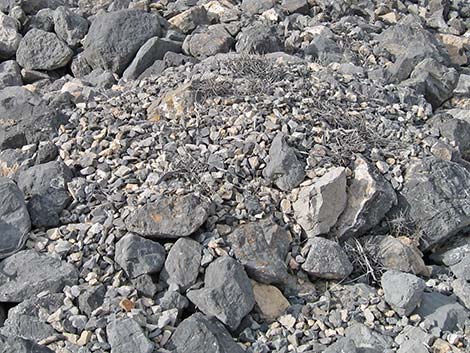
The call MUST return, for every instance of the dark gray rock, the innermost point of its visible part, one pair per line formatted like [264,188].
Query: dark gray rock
[256,7]
[402,291]
[27,319]
[367,340]
[10,74]
[47,152]
[9,37]
[14,218]
[126,335]
[326,259]
[295,6]
[28,273]
[283,167]
[170,217]
[183,262]
[434,81]
[227,293]
[69,26]
[154,49]
[343,345]
[173,300]
[199,333]
[80,67]
[145,285]
[458,132]
[20,345]
[461,289]
[114,38]
[442,184]
[33,6]
[324,48]
[100,78]
[262,248]
[138,256]
[40,50]
[155,69]
[258,38]
[208,41]
[91,299]
[43,20]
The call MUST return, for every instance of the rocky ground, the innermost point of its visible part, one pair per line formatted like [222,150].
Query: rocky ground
[224,176]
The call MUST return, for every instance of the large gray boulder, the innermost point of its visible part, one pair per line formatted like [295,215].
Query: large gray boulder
[14,218]
[28,273]
[435,199]
[262,248]
[25,118]
[126,335]
[69,26]
[9,37]
[20,345]
[41,50]
[402,291]
[208,42]
[114,38]
[198,333]
[227,293]
[139,256]
[170,217]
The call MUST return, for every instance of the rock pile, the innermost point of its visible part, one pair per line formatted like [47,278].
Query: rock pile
[234,176]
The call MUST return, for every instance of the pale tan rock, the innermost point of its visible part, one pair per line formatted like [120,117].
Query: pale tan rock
[456,46]
[270,302]
[188,20]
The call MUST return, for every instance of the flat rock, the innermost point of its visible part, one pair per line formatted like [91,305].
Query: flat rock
[138,256]
[198,333]
[319,205]
[20,345]
[172,217]
[369,197]
[227,293]
[270,302]
[9,37]
[69,26]
[262,248]
[28,273]
[114,38]
[326,259]
[126,335]
[402,291]
[41,50]
[283,167]
[183,262]
[14,218]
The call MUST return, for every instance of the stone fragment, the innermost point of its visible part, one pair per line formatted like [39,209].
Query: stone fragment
[9,37]
[258,38]
[368,340]
[403,291]
[91,299]
[183,262]
[208,42]
[461,269]
[10,74]
[69,26]
[295,6]
[126,335]
[20,345]
[462,290]
[343,345]
[189,19]
[456,46]
[457,131]
[173,300]
[270,302]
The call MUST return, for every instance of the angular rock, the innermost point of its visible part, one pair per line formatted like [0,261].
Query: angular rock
[145,285]
[14,218]
[442,184]
[258,39]
[126,335]
[174,217]
[370,197]
[462,290]
[154,49]
[33,6]
[319,205]
[10,74]
[40,50]
[270,303]
[208,42]
[256,7]
[295,6]
[402,291]
[189,19]
[28,273]
[138,256]
[456,47]
[227,293]
[284,168]
[173,300]
[183,262]
[461,269]
[324,48]
[262,248]
[368,340]
[43,20]
[69,26]
[100,78]
[9,37]
[91,299]
[20,345]
[326,259]
[457,131]
[199,333]
[114,38]
[343,345]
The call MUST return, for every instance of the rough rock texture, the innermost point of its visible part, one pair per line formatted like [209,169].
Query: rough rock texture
[462,291]
[20,345]
[10,74]
[258,38]
[402,291]
[126,335]
[9,36]
[69,26]
[207,43]
[368,340]
[270,302]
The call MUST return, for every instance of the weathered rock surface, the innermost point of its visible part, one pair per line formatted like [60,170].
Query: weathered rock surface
[9,37]
[270,302]
[402,291]
[20,345]
[462,290]
[258,38]
[215,39]
[183,262]
[368,340]
[126,335]
[69,26]
[10,74]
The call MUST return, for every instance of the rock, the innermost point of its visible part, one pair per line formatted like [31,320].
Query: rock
[40,50]
[28,273]
[258,39]
[227,293]
[457,131]
[456,47]
[367,340]
[138,256]
[91,299]
[208,42]
[100,78]
[10,74]
[47,152]
[326,259]
[461,269]
[295,6]
[189,19]
[14,218]
[256,7]
[154,49]
[319,205]
[33,6]
[434,81]
[462,290]
[183,262]
[114,38]
[412,346]
[69,26]
[173,300]
[145,285]
[126,335]
[173,217]
[20,345]
[199,333]
[324,48]
[439,183]
[343,345]
[262,248]
[80,67]
[369,198]
[270,303]
[156,69]
[43,20]
[402,291]
[441,311]
[46,187]
[9,37]
[284,168]
[401,254]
